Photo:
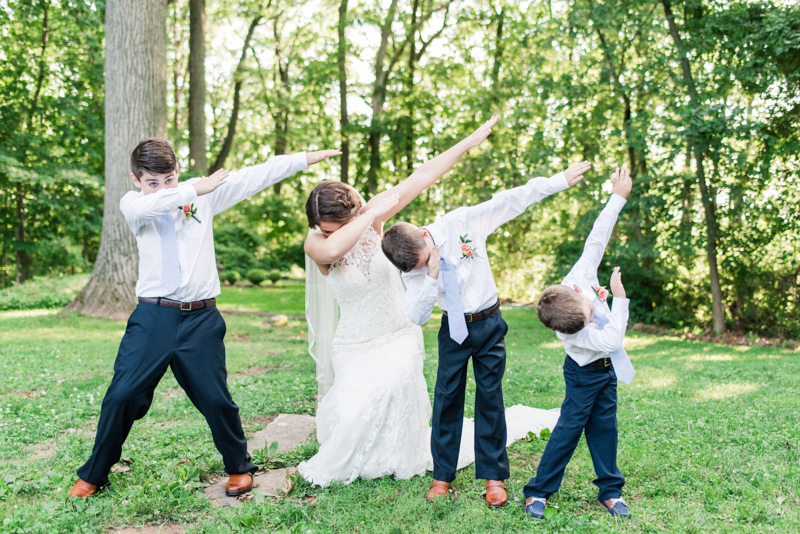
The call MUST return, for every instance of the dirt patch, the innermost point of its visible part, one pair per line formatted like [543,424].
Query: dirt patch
[729,338]
[152,529]
[250,371]
[262,314]
[238,335]
[259,422]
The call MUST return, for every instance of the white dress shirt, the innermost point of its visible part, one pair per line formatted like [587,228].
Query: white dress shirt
[592,342]
[474,223]
[199,279]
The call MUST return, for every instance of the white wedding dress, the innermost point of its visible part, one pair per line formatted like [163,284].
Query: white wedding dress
[374,420]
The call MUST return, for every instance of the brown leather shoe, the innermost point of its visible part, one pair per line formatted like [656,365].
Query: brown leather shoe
[239,484]
[438,489]
[82,489]
[496,495]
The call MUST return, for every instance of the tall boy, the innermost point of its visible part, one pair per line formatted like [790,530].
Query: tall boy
[592,335]
[176,323]
[447,260]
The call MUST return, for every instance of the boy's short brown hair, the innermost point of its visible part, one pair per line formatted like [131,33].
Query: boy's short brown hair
[561,309]
[402,244]
[153,156]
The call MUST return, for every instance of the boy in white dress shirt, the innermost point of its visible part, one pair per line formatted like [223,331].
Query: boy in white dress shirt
[592,335]
[176,323]
[447,260]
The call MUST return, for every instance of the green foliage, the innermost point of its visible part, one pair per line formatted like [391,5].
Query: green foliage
[274,277]
[42,293]
[256,276]
[231,277]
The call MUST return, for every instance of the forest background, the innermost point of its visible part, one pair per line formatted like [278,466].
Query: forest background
[701,99]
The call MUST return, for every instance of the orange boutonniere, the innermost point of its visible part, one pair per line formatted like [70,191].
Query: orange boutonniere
[189,210]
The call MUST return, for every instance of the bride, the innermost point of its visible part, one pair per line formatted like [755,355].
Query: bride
[373,418]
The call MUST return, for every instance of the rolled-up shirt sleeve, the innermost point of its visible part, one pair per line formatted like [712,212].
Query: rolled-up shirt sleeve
[251,180]
[139,209]
[421,293]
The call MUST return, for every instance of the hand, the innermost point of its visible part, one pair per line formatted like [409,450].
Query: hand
[383,205]
[319,155]
[575,173]
[621,182]
[617,289]
[479,136]
[434,263]
[207,185]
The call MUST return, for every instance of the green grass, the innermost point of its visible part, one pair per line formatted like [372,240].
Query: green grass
[708,436]
[40,293]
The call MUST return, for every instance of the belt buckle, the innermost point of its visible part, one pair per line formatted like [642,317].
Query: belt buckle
[606,362]
[188,305]
[468,317]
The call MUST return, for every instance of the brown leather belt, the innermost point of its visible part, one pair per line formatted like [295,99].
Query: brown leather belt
[181,305]
[481,315]
[605,362]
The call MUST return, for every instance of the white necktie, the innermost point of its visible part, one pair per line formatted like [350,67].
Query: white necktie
[455,311]
[623,367]
[170,267]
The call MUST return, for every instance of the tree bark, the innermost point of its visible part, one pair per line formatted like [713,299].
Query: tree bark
[717,309]
[135,108]
[280,114]
[237,87]
[343,119]
[197,86]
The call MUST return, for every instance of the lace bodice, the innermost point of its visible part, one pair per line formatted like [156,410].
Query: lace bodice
[369,291]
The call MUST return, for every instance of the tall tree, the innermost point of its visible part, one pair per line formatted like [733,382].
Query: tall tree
[197,86]
[135,109]
[709,204]
[227,144]
[341,60]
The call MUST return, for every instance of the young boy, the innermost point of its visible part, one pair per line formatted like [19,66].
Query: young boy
[592,335]
[447,260]
[176,323]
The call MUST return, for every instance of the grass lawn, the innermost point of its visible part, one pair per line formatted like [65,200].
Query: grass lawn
[709,436]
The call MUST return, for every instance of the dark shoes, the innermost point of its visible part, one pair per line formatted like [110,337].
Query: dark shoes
[438,489]
[616,507]
[239,484]
[82,489]
[535,507]
[496,495]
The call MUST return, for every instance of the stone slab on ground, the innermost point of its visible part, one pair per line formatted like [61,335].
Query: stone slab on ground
[151,529]
[289,430]
[273,483]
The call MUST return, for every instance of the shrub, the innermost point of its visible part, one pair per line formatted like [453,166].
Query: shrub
[231,277]
[39,293]
[274,277]
[256,276]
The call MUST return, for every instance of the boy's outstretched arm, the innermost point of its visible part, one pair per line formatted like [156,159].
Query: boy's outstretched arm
[596,243]
[250,180]
[430,171]
[506,205]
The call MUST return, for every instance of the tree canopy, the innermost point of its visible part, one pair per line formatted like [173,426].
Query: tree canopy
[701,99]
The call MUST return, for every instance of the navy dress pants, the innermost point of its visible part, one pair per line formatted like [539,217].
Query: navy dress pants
[485,344]
[590,407]
[190,342]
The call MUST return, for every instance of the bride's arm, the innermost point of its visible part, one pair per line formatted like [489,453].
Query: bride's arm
[429,172]
[326,250]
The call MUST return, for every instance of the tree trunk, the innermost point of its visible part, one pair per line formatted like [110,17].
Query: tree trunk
[237,87]
[135,108]
[343,120]
[498,50]
[197,86]
[718,311]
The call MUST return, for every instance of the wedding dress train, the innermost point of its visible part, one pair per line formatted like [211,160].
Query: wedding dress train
[374,420]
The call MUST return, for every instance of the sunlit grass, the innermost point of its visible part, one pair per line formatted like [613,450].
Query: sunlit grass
[709,435]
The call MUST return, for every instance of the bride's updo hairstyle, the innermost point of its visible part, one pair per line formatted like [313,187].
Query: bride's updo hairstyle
[332,201]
